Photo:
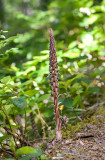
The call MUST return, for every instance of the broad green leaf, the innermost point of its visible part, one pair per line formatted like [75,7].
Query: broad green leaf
[44,97]
[67,102]
[85,80]
[8,159]
[72,44]
[42,157]
[98,72]
[5,137]
[84,84]
[47,113]
[26,150]
[76,77]
[5,79]
[45,52]
[4,101]
[1,116]
[7,95]
[5,31]
[77,99]
[72,53]
[89,20]
[13,126]
[19,102]
[93,18]
[31,92]
[78,58]
[60,100]
[12,50]
[76,110]
[93,89]
[25,83]
[75,87]
[12,145]
[37,154]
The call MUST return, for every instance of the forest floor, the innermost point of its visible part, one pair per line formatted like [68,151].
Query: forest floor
[88,143]
[83,141]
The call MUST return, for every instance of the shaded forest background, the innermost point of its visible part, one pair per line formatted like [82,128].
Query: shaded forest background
[79,30]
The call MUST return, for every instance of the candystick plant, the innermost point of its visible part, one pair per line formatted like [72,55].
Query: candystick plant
[53,69]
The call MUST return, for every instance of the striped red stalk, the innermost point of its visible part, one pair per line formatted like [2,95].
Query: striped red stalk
[53,69]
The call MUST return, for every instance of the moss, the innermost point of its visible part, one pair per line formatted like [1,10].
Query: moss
[99,116]
[96,118]
[43,145]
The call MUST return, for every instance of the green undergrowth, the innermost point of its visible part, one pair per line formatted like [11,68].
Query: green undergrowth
[96,119]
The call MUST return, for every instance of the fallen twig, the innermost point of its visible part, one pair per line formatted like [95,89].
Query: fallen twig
[95,105]
[83,135]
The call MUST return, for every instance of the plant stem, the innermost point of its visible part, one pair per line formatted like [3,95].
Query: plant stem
[42,123]
[11,89]
[3,109]
[33,124]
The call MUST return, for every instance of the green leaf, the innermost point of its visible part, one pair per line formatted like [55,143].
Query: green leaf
[9,159]
[72,44]
[5,137]
[7,95]
[78,58]
[85,80]
[1,117]
[25,83]
[12,145]
[5,79]
[13,126]
[60,100]
[98,72]
[5,31]
[45,96]
[74,78]
[76,110]
[67,102]
[42,157]
[75,87]
[37,154]
[84,84]
[27,150]
[93,89]
[31,92]
[77,99]
[19,102]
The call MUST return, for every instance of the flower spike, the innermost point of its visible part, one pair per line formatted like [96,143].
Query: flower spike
[53,69]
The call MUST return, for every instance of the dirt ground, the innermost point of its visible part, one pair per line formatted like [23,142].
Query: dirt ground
[87,144]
